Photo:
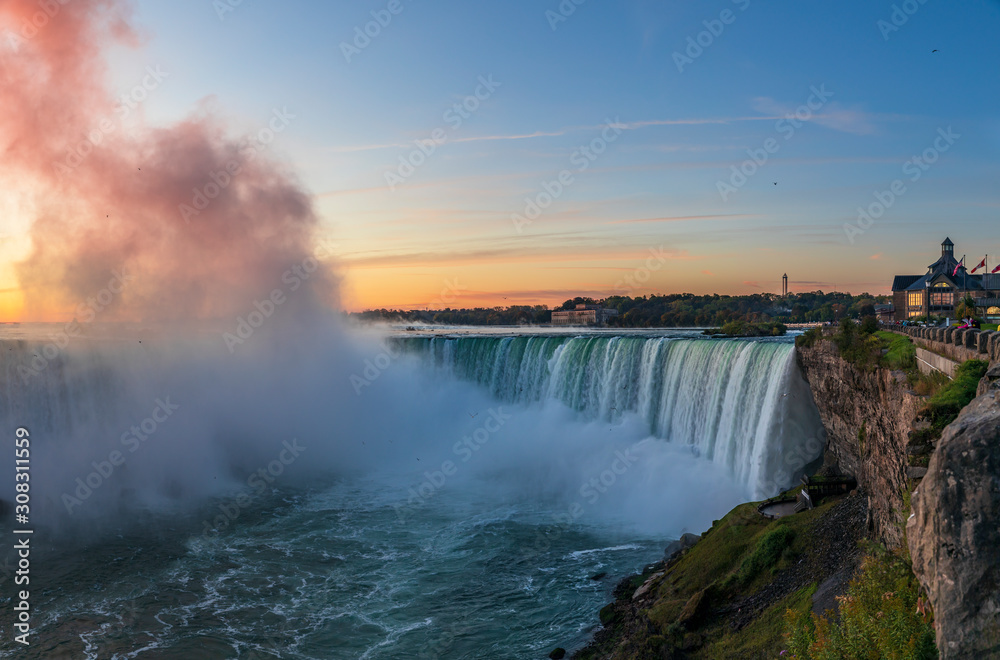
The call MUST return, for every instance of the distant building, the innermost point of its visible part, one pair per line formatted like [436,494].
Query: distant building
[584,315]
[940,289]
[885,312]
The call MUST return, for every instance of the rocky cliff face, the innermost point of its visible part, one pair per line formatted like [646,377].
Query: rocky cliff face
[868,418]
[954,532]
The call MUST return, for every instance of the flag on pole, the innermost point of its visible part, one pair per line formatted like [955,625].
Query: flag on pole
[959,265]
[981,264]
[995,269]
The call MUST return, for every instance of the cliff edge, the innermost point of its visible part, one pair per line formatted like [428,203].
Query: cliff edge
[868,417]
[954,531]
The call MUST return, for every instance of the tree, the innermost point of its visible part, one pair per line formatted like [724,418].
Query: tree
[966,307]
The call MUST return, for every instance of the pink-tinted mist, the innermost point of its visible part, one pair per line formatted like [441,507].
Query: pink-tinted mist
[106,192]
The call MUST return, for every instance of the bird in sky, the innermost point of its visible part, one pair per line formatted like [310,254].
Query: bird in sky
[935,51]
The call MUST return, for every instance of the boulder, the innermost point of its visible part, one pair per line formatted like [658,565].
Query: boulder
[954,532]
[989,381]
[647,585]
[681,544]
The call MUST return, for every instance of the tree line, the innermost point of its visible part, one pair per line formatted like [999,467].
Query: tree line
[657,311]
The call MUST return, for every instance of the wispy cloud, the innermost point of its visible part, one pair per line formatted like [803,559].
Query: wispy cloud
[683,218]
[876,257]
[628,126]
[847,119]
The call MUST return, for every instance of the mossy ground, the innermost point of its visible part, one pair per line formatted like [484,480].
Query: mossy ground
[727,596]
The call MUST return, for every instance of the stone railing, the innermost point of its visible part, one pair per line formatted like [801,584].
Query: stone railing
[955,344]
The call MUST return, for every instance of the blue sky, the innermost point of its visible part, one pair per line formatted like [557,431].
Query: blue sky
[655,186]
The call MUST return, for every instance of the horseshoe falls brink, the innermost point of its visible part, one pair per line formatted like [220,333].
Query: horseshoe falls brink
[741,404]
[448,496]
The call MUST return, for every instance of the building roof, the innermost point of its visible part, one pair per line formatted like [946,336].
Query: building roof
[991,282]
[947,241]
[903,282]
[961,281]
[945,264]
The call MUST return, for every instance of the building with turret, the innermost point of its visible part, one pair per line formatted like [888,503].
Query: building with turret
[939,290]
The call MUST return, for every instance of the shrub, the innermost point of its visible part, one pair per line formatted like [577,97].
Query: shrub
[862,349]
[766,553]
[745,329]
[809,338]
[869,325]
[882,616]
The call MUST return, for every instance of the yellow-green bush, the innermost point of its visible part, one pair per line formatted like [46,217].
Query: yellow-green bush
[882,617]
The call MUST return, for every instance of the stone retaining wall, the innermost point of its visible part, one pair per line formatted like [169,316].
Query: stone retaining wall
[929,362]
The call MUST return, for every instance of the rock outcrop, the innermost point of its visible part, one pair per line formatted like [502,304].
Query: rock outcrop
[868,417]
[954,532]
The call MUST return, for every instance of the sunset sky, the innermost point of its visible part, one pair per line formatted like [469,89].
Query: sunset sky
[664,120]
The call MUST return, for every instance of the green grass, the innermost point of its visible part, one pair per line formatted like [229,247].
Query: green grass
[901,355]
[734,559]
[944,406]
[766,552]
[758,639]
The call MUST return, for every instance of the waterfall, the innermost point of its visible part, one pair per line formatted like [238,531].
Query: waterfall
[742,404]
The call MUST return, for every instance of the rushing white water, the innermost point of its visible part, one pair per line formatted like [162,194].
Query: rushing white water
[456,498]
[742,404]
